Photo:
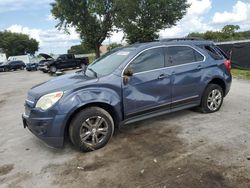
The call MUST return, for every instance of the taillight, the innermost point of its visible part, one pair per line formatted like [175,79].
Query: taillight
[228,65]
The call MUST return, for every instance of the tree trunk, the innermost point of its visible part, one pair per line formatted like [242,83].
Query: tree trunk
[97,51]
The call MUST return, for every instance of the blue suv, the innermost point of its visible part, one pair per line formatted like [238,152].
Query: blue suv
[126,85]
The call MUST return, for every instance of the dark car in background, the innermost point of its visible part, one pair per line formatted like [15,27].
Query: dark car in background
[42,64]
[12,65]
[134,83]
[31,66]
[64,61]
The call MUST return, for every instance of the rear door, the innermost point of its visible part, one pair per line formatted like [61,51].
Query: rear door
[186,65]
[149,89]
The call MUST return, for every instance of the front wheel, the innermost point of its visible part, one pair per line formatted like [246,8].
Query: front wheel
[82,66]
[212,99]
[91,129]
[52,69]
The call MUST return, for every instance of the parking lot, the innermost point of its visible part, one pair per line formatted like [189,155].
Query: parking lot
[184,149]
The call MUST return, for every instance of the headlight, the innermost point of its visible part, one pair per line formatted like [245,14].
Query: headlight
[47,101]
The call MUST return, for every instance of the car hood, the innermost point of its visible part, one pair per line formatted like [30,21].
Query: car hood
[46,56]
[61,83]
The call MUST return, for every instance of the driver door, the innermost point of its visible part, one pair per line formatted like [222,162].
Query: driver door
[149,88]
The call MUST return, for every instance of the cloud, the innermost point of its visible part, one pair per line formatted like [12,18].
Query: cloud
[15,5]
[51,40]
[50,17]
[239,14]
[193,21]
[116,37]
[199,7]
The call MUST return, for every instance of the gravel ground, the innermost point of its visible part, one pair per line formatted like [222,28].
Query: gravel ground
[184,149]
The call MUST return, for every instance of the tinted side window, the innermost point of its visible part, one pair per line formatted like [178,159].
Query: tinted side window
[69,56]
[178,55]
[212,52]
[148,60]
[221,52]
[63,57]
[198,56]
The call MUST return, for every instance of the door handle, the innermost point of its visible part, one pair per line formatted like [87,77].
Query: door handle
[199,67]
[163,76]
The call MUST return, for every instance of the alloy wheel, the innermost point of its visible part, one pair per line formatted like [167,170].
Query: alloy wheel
[93,130]
[214,100]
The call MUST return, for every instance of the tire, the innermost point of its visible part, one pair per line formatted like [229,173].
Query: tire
[6,69]
[52,69]
[85,123]
[212,99]
[22,68]
[82,66]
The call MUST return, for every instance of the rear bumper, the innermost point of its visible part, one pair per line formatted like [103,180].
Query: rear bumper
[46,129]
[228,85]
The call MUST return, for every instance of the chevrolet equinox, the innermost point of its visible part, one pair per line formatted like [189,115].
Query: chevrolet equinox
[126,85]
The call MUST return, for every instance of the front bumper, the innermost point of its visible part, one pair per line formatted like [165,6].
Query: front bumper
[43,68]
[50,129]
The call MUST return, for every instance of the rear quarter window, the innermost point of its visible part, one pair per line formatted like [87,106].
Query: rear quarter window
[212,52]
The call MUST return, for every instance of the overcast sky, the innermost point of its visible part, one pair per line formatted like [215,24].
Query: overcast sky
[33,17]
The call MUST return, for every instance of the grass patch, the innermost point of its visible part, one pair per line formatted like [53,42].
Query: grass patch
[243,74]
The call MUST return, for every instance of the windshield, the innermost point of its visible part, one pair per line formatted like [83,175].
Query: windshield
[106,64]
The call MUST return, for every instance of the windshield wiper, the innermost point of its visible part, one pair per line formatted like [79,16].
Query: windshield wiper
[95,73]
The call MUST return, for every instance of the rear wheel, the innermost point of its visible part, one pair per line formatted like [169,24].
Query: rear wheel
[22,68]
[212,99]
[91,129]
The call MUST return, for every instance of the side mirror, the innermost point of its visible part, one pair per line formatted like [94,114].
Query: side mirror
[128,72]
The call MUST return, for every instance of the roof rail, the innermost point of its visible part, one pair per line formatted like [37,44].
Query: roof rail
[141,42]
[181,39]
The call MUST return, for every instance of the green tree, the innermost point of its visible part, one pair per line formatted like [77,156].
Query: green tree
[17,44]
[113,46]
[213,35]
[230,30]
[93,19]
[141,20]
[80,49]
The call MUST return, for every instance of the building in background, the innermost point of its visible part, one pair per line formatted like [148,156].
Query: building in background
[3,57]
